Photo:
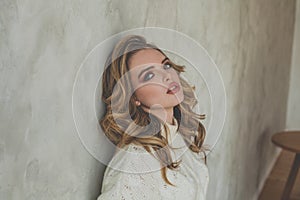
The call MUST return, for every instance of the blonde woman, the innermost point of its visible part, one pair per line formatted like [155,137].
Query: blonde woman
[149,117]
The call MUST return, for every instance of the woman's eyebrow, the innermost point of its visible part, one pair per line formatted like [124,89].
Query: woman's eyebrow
[166,58]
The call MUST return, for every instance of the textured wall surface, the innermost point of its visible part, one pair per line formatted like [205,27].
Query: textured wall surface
[293,117]
[42,44]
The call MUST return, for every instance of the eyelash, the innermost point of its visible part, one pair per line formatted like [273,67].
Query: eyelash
[166,64]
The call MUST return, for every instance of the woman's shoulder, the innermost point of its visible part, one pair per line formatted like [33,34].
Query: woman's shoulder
[133,159]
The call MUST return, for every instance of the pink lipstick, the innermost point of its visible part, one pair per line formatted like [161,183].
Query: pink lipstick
[173,88]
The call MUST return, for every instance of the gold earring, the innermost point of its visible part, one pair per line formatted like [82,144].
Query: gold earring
[138,103]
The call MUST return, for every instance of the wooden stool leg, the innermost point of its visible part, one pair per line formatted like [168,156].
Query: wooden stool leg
[292,177]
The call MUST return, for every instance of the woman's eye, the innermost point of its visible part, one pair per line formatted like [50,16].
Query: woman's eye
[167,66]
[148,76]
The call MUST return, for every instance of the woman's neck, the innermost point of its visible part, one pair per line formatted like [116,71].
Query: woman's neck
[165,115]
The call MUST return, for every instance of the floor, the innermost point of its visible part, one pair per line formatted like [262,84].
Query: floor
[276,181]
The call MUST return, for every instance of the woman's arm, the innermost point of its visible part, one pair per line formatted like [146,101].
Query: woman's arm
[132,177]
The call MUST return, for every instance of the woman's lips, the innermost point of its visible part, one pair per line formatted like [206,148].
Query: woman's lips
[173,88]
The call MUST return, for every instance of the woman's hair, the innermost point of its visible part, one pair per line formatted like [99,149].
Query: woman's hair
[124,122]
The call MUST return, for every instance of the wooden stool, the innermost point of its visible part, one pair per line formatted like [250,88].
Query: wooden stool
[289,140]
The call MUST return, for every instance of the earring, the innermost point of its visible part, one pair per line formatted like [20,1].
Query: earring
[138,103]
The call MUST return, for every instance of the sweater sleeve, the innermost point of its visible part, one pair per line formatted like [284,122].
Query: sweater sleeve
[132,175]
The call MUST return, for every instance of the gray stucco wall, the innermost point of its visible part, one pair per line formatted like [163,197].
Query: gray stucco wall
[42,44]
[293,115]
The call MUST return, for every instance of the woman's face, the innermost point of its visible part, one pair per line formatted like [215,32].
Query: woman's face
[155,81]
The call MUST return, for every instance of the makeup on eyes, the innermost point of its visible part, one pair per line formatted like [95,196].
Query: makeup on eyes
[151,67]
[146,77]
[144,70]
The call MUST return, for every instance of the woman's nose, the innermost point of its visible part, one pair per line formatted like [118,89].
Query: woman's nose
[166,76]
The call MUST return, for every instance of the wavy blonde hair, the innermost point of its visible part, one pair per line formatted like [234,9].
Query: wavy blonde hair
[121,127]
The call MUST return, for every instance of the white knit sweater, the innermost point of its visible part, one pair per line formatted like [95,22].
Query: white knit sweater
[134,174]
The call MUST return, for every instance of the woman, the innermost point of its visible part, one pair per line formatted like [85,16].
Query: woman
[149,117]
